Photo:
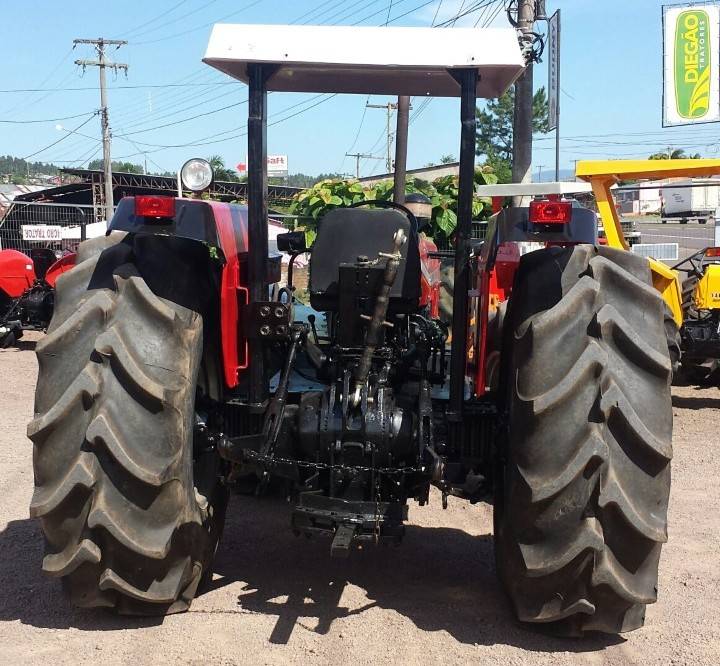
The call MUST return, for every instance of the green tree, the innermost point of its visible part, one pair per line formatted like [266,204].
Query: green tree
[502,168]
[676,154]
[447,159]
[120,167]
[222,173]
[495,130]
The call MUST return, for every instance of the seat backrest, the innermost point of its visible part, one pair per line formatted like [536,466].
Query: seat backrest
[345,234]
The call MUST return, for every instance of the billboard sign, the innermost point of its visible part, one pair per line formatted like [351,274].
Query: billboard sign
[553,69]
[277,166]
[691,71]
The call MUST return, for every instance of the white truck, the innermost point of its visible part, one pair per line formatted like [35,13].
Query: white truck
[690,200]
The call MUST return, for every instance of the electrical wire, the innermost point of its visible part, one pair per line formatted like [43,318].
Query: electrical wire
[62,138]
[205,141]
[145,24]
[175,20]
[200,27]
[44,120]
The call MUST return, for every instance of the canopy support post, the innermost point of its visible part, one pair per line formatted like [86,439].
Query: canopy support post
[468,79]
[257,192]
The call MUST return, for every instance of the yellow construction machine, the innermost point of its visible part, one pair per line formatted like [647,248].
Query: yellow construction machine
[693,304]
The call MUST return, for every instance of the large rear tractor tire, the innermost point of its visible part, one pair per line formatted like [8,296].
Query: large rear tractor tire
[130,512]
[584,473]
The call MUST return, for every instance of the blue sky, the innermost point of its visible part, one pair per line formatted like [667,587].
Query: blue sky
[611,78]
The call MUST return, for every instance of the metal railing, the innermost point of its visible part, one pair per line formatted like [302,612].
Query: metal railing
[28,225]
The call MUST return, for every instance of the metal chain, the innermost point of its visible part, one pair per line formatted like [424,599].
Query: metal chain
[272,461]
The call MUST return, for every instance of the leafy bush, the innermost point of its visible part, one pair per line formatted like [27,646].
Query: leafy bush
[311,204]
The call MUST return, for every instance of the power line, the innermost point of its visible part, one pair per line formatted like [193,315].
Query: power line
[202,142]
[314,10]
[62,138]
[175,20]
[437,11]
[123,87]
[23,102]
[44,120]
[200,27]
[184,120]
[162,15]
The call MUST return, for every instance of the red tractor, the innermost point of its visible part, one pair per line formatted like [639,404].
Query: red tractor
[27,286]
[170,375]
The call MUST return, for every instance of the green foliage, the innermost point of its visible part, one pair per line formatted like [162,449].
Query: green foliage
[121,167]
[495,124]
[16,166]
[220,171]
[677,154]
[311,204]
[501,167]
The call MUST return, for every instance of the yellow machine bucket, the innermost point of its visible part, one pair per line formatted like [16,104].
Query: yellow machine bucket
[603,174]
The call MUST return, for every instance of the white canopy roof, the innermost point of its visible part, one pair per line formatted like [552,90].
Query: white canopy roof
[531,189]
[368,60]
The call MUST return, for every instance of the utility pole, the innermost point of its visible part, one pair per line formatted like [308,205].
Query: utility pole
[540,168]
[523,113]
[389,107]
[103,64]
[358,157]
[401,141]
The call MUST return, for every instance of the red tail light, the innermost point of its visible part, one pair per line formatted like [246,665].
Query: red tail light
[149,206]
[712,252]
[550,212]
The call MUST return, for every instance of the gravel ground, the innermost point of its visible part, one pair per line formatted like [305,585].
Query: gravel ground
[279,599]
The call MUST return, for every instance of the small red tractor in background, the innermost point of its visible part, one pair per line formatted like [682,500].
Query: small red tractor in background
[171,374]
[27,290]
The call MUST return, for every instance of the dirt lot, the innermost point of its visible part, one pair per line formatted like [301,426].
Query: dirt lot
[278,599]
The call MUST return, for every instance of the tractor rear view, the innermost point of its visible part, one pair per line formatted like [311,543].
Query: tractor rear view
[170,375]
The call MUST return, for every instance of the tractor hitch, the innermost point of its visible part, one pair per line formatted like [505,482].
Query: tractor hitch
[349,521]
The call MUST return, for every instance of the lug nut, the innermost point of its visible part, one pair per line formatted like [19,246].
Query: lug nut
[280,330]
[265,330]
[279,312]
[265,311]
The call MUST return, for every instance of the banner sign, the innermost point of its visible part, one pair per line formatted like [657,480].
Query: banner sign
[691,67]
[553,45]
[42,232]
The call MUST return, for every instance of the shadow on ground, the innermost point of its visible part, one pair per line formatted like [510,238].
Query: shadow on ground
[690,402]
[26,594]
[439,579]
[19,346]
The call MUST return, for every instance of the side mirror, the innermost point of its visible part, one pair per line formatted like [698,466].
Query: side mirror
[292,242]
